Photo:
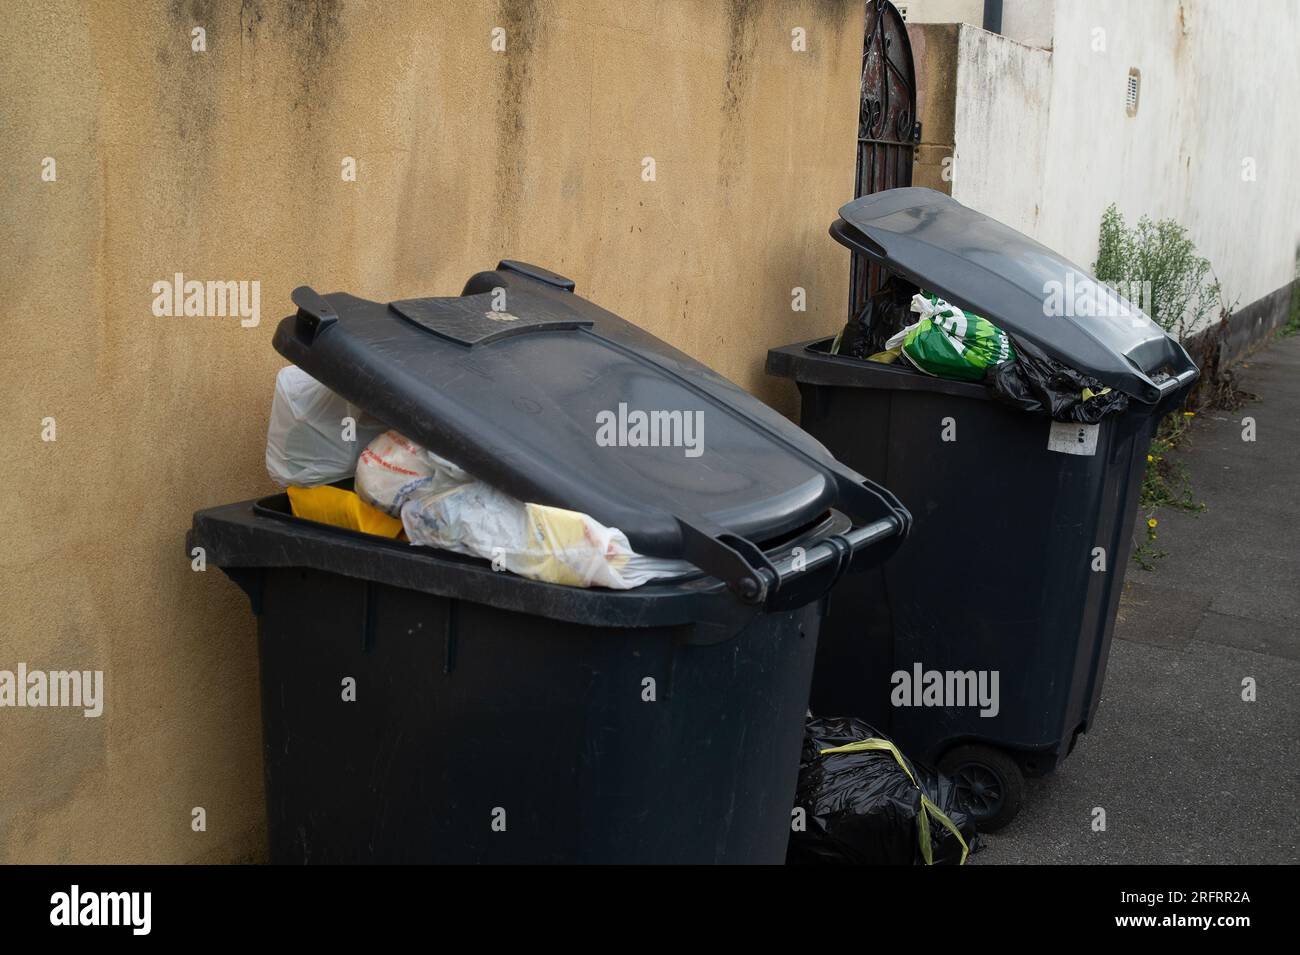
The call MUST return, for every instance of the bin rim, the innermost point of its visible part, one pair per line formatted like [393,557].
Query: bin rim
[811,362]
[259,534]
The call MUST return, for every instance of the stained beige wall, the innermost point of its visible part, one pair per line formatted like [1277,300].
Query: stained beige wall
[226,165]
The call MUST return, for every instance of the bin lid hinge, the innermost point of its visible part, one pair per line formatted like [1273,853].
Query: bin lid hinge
[733,559]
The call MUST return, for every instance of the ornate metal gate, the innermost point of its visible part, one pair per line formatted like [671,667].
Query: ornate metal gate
[887,128]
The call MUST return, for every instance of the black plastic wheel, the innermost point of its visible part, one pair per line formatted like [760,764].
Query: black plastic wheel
[990,785]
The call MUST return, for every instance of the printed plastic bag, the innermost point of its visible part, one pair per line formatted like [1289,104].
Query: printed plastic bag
[305,439]
[442,506]
[865,804]
[393,470]
[1039,383]
[950,343]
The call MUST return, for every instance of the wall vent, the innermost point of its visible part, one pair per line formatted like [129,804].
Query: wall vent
[1131,94]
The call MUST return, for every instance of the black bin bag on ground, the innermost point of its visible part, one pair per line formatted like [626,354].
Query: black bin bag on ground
[866,804]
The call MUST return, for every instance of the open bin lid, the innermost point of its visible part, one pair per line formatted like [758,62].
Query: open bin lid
[979,264]
[517,378]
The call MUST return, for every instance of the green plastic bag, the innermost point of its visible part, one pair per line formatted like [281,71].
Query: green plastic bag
[951,343]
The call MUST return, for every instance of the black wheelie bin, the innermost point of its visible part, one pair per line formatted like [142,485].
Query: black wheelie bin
[1024,524]
[500,719]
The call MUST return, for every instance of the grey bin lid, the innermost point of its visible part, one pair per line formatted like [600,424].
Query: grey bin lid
[979,264]
[508,380]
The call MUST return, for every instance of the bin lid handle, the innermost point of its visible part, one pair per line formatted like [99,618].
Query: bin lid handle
[315,314]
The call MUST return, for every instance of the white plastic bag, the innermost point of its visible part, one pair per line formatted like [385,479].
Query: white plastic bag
[442,506]
[306,442]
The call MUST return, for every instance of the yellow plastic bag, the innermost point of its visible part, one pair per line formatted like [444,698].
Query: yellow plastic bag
[340,508]
[569,548]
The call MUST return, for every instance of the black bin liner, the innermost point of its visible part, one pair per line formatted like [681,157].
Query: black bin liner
[883,315]
[1038,383]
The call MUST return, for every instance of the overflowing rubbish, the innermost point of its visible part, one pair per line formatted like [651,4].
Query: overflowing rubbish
[314,436]
[402,488]
[442,506]
[949,342]
[864,803]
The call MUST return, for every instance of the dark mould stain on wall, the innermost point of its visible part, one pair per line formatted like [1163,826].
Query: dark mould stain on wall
[187,79]
[741,33]
[313,29]
[823,19]
[310,31]
[522,21]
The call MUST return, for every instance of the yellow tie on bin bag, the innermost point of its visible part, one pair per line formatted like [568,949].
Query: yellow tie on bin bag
[928,807]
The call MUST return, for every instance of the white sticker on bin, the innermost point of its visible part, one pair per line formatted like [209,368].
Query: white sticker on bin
[1070,438]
